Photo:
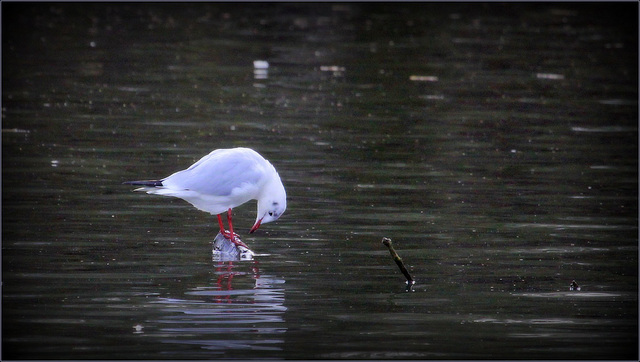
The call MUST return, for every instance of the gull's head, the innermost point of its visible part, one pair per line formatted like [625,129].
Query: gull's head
[271,204]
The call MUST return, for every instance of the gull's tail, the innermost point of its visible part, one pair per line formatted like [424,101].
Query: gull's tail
[148,183]
[157,188]
[150,186]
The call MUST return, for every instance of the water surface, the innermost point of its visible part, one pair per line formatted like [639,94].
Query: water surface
[495,144]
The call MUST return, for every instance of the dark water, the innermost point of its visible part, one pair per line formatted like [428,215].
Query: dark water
[497,145]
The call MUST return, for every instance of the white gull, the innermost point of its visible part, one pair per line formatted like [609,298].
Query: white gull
[222,180]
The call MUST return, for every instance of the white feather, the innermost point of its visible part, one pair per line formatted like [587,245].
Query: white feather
[227,178]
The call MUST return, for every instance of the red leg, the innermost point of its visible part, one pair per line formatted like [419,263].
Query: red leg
[222,231]
[233,235]
[230,234]
[230,224]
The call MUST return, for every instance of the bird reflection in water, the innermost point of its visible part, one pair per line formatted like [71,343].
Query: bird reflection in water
[226,253]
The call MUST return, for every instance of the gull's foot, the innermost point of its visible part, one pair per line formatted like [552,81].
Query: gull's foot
[227,234]
[235,238]
[239,243]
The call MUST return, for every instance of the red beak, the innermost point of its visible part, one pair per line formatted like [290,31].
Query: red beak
[255,227]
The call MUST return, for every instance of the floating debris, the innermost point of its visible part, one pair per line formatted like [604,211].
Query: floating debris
[260,69]
[551,76]
[423,78]
[398,260]
[225,250]
[332,68]
[261,64]
[335,70]
[432,96]
[574,285]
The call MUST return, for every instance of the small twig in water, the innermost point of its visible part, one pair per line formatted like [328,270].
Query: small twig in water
[398,260]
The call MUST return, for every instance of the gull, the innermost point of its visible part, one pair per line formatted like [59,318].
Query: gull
[222,180]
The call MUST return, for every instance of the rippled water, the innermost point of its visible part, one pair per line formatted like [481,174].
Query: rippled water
[495,144]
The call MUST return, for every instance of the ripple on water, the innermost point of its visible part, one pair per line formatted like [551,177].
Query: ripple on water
[570,295]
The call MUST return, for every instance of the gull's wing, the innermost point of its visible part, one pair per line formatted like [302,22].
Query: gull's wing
[219,173]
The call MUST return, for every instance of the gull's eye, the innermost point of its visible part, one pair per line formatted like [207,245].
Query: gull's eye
[270,213]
